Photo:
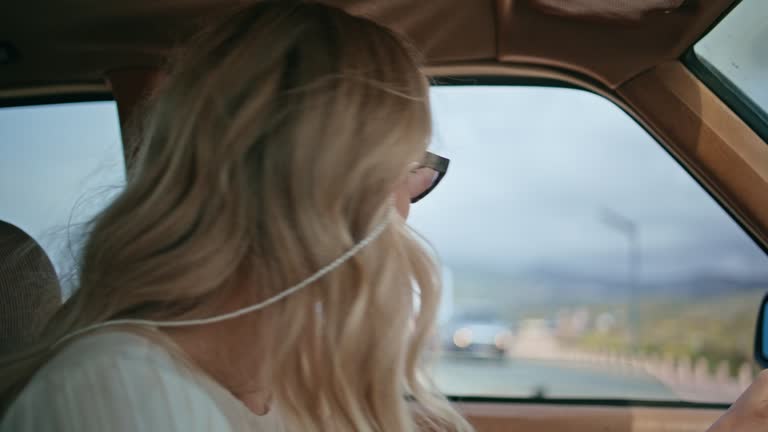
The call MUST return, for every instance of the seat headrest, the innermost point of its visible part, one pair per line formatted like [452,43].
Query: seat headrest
[29,288]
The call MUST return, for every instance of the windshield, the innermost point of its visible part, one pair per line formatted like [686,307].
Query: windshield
[737,51]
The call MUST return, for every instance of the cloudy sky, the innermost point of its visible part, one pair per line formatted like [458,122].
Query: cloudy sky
[533,172]
[60,163]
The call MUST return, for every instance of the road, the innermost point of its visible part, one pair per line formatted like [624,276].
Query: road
[526,378]
[535,366]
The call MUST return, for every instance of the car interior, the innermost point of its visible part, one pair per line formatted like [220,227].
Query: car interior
[29,286]
[637,55]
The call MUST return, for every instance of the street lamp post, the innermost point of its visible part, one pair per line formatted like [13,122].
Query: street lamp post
[630,230]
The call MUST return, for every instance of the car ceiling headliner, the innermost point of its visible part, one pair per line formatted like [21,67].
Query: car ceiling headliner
[78,41]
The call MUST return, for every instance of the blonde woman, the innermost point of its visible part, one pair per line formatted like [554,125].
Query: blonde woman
[254,275]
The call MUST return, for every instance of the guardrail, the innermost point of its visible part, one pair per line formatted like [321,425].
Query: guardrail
[690,379]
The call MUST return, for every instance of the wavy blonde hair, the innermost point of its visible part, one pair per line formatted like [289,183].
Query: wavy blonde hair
[273,147]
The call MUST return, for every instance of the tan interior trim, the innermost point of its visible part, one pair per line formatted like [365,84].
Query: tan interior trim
[501,417]
[512,70]
[708,137]
[611,41]
[530,71]
[603,46]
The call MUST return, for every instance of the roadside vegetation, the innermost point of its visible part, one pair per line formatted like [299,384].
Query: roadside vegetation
[718,328]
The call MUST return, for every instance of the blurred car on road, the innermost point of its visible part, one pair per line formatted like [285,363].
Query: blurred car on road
[477,336]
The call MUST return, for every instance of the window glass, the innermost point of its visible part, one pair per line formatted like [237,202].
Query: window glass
[580,260]
[60,164]
[738,49]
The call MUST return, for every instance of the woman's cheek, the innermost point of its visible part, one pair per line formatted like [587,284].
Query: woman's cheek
[403,201]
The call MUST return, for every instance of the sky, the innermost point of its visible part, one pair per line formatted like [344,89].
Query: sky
[533,172]
[60,164]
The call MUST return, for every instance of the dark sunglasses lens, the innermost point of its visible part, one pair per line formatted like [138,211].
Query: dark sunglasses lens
[421,181]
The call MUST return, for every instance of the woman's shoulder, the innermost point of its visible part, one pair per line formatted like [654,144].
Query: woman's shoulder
[135,353]
[122,345]
[115,380]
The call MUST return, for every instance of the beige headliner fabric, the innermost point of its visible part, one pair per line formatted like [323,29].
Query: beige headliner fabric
[610,52]
[80,40]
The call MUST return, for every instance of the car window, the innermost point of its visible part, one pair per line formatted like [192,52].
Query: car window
[59,165]
[579,259]
[737,50]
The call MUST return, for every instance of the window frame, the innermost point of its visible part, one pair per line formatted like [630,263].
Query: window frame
[753,115]
[55,99]
[478,80]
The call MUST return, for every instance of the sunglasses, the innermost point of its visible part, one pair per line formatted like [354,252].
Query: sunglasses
[425,175]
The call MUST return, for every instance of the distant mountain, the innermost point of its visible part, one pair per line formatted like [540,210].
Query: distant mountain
[694,284]
[539,286]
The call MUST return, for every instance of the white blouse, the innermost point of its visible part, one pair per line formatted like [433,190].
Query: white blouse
[125,380]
